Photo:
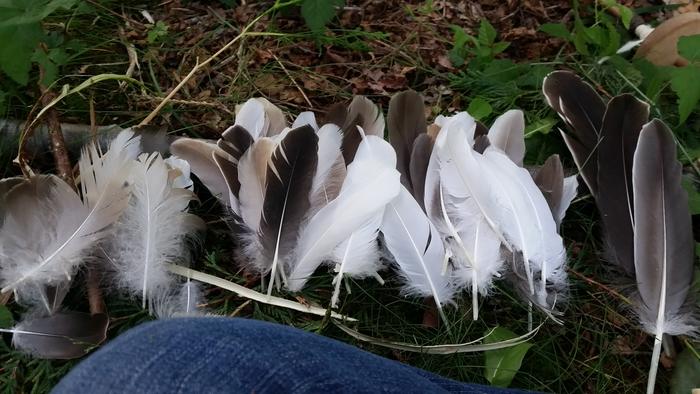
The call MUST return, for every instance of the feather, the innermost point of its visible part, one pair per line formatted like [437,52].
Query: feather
[508,134]
[180,301]
[663,240]
[325,187]
[406,121]
[481,143]
[305,118]
[582,110]
[557,190]
[252,174]
[233,145]
[623,120]
[200,154]
[358,256]
[418,166]
[152,231]
[5,186]
[466,235]
[417,249]
[61,336]
[289,180]
[274,118]
[372,181]
[43,246]
[538,239]
[360,112]
[260,118]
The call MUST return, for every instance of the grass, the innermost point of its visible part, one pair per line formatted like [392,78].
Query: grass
[597,349]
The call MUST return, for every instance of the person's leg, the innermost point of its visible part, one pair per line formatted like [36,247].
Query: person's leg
[217,355]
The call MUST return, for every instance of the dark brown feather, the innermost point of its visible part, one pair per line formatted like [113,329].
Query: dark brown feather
[418,166]
[623,120]
[481,130]
[68,335]
[406,121]
[235,142]
[481,143]
[582,109]
[289,179]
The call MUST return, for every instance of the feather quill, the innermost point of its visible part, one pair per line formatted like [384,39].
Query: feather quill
[45,246]
[152,231]
[663,240]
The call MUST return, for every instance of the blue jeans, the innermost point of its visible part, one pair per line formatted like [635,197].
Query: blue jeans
[220,355]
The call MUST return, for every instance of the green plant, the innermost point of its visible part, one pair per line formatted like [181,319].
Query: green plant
[24,40]
[157,32]
[483,46]
[318,13]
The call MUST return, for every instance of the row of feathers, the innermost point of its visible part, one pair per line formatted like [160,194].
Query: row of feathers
[448,204]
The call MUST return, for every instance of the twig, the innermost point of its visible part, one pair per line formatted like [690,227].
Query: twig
[293,80]
[598,284]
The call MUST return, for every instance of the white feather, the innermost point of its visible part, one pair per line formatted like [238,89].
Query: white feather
[152,231]
[508,135]
[306,118]
[358,256]
[369,185]
[183,300]
[251,116]
[329,140]
[537,233]
[568,195]
[49,231]
[416,246]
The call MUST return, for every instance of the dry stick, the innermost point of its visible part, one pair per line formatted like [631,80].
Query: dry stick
[293,80]
[65,172]
[198,66]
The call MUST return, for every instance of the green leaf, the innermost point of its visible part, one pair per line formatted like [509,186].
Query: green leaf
[23,12]
[499,47]
[479,108]
[693,195]
[501,365]
[686,372]
[157,32]
[689,47]
[6,320]
[17,48]
[487,33]
[540,126]
[558,30]
[625,12]
[686,84]
[317,13]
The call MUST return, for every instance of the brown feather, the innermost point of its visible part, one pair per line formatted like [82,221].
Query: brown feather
[69,335]
[406,121]
[582,110]
[290,173]
[623,120]
[418,166]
